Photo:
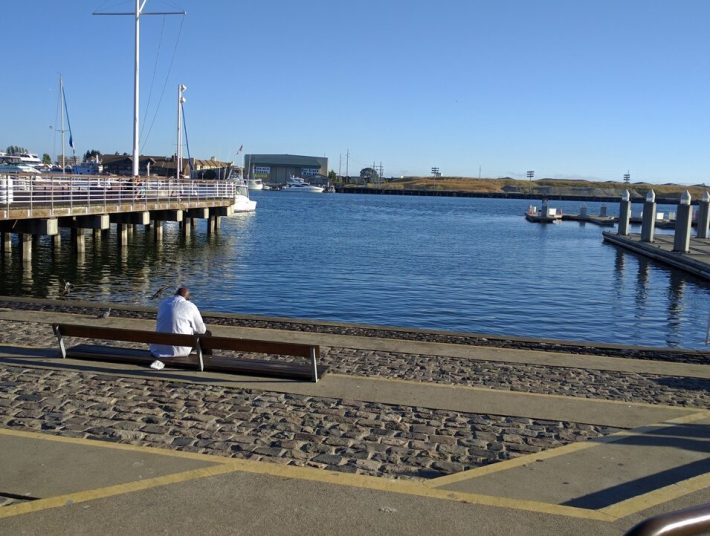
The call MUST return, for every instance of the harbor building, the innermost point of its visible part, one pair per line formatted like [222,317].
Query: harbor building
[164,166]
[277,168]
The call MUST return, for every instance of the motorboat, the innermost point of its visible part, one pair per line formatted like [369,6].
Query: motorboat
[297,184]
[256,184]
[242,203]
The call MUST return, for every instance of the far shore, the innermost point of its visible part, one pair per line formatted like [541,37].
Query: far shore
[507,188]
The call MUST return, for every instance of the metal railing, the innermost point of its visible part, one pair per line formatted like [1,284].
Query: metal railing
[688,522]
[30,191]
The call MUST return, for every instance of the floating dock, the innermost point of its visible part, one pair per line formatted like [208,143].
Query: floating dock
[696,261]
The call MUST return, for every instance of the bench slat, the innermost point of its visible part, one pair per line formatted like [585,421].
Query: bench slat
[250,367]
[253,345]
[126,335]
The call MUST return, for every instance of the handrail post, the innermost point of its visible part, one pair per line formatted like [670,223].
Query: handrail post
[314,364]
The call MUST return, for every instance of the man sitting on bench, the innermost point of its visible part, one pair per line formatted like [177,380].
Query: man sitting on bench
[176,314]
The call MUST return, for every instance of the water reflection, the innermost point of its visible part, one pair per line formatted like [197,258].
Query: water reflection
[456,264]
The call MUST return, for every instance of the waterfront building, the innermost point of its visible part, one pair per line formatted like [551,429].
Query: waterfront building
[165,166]
[277,168]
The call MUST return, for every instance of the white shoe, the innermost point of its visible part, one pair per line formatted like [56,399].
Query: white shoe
[157,365]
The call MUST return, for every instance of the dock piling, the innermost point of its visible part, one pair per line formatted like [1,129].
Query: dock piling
[684,216]
[624,214]
[648,222]
[7,243]
[703,215]
[26,240]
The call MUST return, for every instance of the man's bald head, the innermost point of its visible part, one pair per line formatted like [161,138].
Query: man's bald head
[184,292]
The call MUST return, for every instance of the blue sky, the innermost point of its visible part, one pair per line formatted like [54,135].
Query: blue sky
[568,88]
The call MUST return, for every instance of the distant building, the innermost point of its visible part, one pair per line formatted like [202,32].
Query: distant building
[277,168]
[164,166]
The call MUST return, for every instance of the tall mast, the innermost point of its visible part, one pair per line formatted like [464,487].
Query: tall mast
[178,153]
[136,92]
[61,100]
[137,16]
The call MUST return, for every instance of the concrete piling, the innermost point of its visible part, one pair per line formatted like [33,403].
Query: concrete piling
[6,243]
[648,222]
[122,234]
[77,239]
[684,216]
[624,214]
[704,215]
[26,240]
[157,230]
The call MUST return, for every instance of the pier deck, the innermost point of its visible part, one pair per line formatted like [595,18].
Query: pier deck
[696,261]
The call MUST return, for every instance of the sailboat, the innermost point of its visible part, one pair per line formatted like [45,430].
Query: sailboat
[242,203]
[64,113]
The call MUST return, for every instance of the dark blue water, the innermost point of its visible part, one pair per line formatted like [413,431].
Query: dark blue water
[432,262]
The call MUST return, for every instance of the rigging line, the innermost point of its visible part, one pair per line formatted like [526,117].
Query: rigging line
[187,142]
[155,70]
[165,84]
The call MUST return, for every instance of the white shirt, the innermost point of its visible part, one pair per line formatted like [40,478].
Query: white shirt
[177,315]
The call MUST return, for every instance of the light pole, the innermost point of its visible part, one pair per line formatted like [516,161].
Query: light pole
[530,174]
[627,177]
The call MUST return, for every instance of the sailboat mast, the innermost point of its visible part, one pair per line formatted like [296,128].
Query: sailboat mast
[136,93]
[61,100]
[178,153]
[138,12]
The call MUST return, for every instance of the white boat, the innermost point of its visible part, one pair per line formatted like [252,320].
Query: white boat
[14,164]
[297,184]
[242,203]
[256,184]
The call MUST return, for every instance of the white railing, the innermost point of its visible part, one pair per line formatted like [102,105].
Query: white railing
[30,191]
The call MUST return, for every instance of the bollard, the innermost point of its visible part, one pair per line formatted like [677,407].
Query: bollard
[683,220]
[624,214]
[704,215]
[648,223]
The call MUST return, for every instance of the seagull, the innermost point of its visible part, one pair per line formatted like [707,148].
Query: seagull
[67,288]
[105,314]
[158,293]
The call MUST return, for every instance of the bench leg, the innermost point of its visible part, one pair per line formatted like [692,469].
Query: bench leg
[199,356]
[315,366]
[58,334]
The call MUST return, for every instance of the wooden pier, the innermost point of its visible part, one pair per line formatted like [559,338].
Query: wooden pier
[31,206]
[696,261]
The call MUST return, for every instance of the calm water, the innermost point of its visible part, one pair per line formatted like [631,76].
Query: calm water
[444,263]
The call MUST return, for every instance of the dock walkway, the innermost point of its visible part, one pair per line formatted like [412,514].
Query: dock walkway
[696,261]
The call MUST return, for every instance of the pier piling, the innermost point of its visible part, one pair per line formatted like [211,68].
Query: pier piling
[684,216]
[26,240]
[122,234]
[6,243]
[704,215]
[77,239]
[624,214]
[648,222]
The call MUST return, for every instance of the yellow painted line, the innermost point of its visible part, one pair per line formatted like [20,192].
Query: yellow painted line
[79,441]
[229,465]
[517,393]
[658,496]
[110,491]
[563,450]
[506,465]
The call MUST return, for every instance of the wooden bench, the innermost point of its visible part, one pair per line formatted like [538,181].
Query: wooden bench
[272,368]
